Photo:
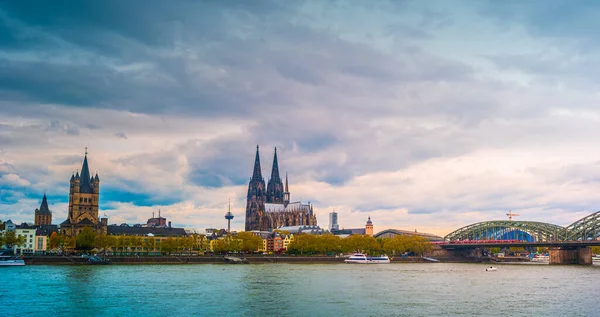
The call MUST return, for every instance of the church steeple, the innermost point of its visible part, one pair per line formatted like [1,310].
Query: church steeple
[275,186]
[286,193]
[44,206]
[255,202]
[275,169]
[86,185]
[257,174]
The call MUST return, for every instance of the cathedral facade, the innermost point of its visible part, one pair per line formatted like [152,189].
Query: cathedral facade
[84,192]
[269,207]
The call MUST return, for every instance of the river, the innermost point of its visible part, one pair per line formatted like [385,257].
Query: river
[438,289]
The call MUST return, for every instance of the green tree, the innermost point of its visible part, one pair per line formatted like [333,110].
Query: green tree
[85,239]
[10,239]
[102,242]
[250,242]
[168,245]
[149,244]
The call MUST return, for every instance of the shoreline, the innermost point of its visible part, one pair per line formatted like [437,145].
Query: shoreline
[134,260]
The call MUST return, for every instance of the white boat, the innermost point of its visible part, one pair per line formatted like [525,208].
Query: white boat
[362,258]
[596,259]
[491,269]
[541,258]
[11,261]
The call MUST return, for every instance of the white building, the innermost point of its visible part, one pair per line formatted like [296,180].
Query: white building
[302,229]
[28,245]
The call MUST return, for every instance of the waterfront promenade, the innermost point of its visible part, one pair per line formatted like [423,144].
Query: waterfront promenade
[133,260]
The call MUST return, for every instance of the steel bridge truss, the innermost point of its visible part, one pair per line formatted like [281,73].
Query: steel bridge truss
[587,228]
[509,230]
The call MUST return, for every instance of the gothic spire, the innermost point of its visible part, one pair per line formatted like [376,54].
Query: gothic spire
[44,206]
[275,170]
[286,193]
[257,175]
[85,186]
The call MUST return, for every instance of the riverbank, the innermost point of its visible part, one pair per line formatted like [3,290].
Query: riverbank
[64,260]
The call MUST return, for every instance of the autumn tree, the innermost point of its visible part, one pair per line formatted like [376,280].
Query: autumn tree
[56,240]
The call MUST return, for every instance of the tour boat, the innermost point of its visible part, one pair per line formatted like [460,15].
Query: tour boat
[96,260]
[362,258]
[491,269]
[11,261]
[541,258]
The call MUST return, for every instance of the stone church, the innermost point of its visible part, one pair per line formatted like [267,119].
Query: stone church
[270,208]
[43,215]
[83,203]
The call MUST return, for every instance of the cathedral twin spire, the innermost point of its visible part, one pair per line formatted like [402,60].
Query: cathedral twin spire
[275,190]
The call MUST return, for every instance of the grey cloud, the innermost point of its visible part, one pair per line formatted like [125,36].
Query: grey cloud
[69,129]
[120,135]
[69,160]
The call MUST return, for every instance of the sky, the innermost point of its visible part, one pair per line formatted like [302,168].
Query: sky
[423,115]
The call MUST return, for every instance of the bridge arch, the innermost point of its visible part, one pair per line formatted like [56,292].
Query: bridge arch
[390,233]
[509,230]
[586,228]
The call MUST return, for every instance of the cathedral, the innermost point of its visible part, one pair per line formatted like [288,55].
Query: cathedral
[270,208]
[83,203]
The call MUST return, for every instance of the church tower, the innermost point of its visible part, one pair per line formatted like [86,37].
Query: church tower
[369,227]
[43,216]
[286,194]
[275,185]
[255,203]
[84,191]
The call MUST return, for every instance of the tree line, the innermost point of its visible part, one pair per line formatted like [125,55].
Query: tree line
[331,244]
[88,240]
[303,244]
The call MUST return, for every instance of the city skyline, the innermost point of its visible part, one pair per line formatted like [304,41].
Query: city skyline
[426,116]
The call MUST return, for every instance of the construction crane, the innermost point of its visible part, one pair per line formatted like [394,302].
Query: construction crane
[510,215]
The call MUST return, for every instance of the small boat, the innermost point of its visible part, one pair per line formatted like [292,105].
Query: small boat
[541,258]
[11,261]
[596,259]
[362,258]
[235,260]
[491,269]
[96,260]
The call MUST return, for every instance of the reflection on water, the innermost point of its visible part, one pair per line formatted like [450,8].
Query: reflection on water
[301,290]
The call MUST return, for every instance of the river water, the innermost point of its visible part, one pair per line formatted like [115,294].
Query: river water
[437,289]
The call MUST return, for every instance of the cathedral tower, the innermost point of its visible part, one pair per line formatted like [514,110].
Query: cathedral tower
[255,203]
[43,216]
[275,186]
[84,191]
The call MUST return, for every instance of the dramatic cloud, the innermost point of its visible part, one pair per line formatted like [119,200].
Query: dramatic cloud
[426,116]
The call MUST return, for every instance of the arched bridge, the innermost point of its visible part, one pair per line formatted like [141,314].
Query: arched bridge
[508,230]
[585,229]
